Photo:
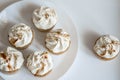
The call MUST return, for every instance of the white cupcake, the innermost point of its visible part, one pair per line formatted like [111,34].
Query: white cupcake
[21,36]
[57,41]
[44,18]
[107,47]
[40,63]
[11,60]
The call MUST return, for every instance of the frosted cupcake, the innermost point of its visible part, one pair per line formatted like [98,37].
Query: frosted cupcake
[44,18]
[57,41]
[20,36]
[11,60]
[40,63]
[107,47]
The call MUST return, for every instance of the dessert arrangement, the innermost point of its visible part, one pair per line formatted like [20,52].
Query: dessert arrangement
[57,41]
[20,36]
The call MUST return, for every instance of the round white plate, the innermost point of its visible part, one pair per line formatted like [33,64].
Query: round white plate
[22,12]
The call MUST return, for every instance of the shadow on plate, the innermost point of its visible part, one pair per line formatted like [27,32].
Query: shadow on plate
[26,13]
[4,30]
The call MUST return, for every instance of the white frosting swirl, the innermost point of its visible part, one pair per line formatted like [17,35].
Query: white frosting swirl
[107,46]
[20,35]
[39,63]
[44,18]
[11,59]
[57,41]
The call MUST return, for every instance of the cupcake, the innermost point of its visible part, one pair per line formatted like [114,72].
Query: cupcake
[57,41]
[40,63]
[107,47]
[11,60]
[44,18]
[20,36]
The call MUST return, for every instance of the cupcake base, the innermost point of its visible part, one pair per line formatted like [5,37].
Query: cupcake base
[105,59]
[9,72]
[43,75]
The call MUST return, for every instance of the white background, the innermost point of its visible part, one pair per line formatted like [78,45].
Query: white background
[91,18]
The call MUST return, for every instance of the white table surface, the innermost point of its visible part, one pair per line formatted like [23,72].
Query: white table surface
[85,13]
